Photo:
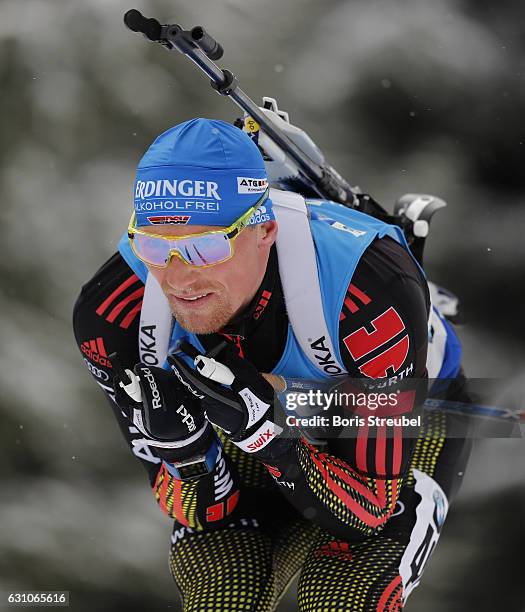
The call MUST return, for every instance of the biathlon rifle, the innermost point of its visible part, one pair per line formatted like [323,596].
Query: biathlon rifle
[412,212]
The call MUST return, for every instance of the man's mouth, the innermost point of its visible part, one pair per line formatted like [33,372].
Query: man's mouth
[193,300]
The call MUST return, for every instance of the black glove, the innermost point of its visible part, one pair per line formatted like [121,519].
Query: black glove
[167,411]
[247,410]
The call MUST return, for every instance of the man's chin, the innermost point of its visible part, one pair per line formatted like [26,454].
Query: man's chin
[201,323]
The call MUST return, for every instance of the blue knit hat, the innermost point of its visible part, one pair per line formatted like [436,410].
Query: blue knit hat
[201,172]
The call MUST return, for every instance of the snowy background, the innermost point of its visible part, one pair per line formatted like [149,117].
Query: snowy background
[402,95]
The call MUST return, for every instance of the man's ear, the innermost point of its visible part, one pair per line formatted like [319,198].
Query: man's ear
[267,233]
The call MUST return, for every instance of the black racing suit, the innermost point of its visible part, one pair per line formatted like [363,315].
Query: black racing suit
[343,514]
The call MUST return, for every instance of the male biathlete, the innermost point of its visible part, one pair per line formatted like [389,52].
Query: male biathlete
[205,306]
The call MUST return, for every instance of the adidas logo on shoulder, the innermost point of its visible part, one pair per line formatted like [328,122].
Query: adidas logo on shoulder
[96,352]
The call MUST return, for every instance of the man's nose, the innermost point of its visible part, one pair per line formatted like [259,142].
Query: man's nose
[180,274]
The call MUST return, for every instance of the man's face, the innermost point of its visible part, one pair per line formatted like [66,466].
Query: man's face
[204,300]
